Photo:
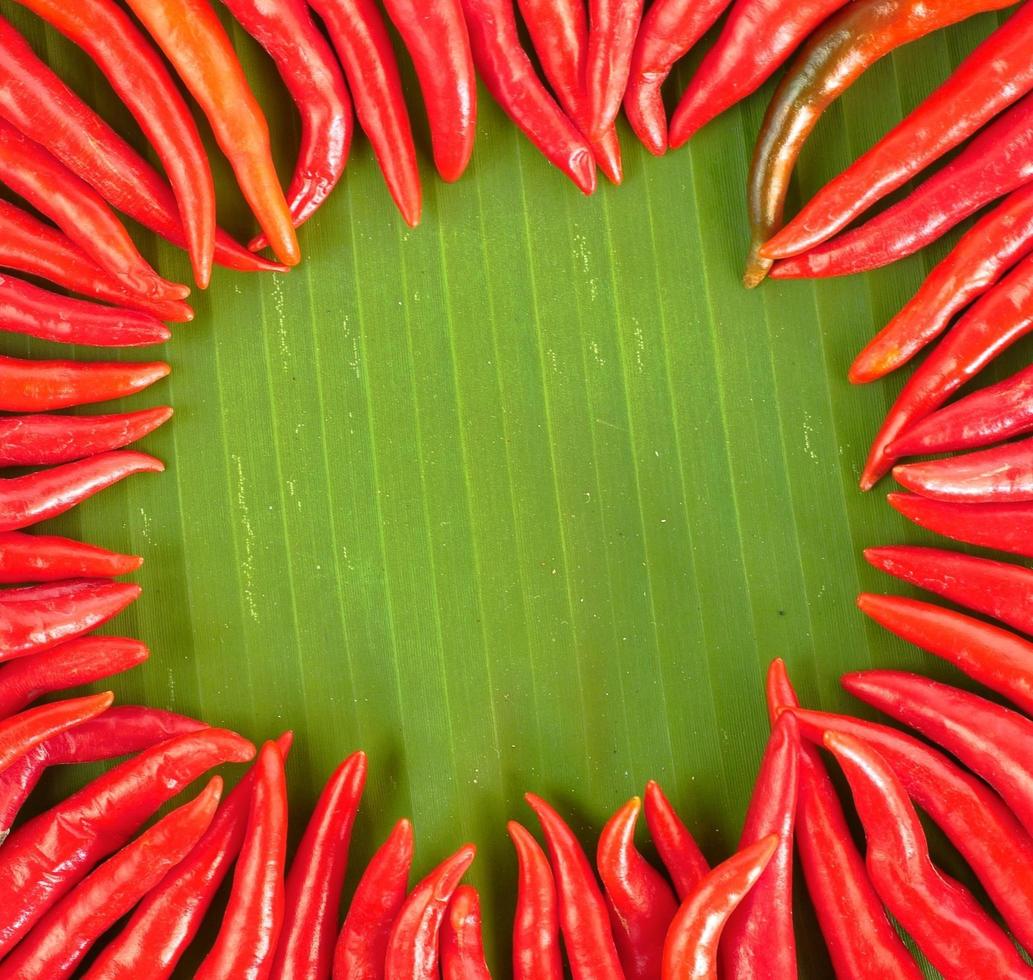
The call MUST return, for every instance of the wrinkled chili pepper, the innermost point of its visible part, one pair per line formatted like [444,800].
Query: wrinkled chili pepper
[584,916]
[254,912]
[690,950]
[677,848]
[858,935]
[306,945]
[39,865]
[999,319]
[536,923]
[834,57]
[641,902]
[1001,474]
[462,939]
[613,29]
[943,918]
[27,500]
[44,558]
[41,386]
[58,943]
[37,617]
[362,946]
[510,77]
[23,732]
[46,440]
[168,919]
[414,945]
[973,817]
[669,31]
[759,939]
[80,661]
[1005,527]
[993,588]
[359,34]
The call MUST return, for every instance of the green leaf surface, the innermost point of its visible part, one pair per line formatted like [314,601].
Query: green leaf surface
[525,499]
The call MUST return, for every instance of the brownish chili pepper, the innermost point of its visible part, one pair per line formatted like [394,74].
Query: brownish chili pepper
[22,733]
[536,924]
[614,26]
[41,386]
[44,558]
[462,940]
[1006,527]
[677,848]
[1001,474]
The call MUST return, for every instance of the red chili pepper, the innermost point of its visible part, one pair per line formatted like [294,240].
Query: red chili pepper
[511,79]
[995,163]
[412,950]
[584,916]
[166,922]
[45,440]
[254,913]
[679,852]
[759,939]
[358,32]
[362,946]
[993,588]
[23,732]
[40,386]
[62,938]
[860,938]
[614,26]
[306,947]
[79,661]
[1006,527]
[994,742]
[462,940]
[1002,317]
[973,817]
[641,902]
[38,617]
[943,918]
[670,30]
[42,558]
[1002,474]
[536,925]
[45,858]
[690,951]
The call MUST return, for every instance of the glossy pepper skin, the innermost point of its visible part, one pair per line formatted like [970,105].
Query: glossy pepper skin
[22,733]
[1002,474]
[45,558]
[41,386]
[305,950]
[943,918]
[613,29]
[360,37]
[62,938]
[641,902]
[362,945]
[996,74]
[690,950]
[681,856]
[462,940]
[1006,527]
[414,946]
[536,923]
[584,918]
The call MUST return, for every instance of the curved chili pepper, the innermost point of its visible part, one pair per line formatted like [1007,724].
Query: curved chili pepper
[536,925]
[27,500]
[677,848]
[669,31]
[23,732]
[859,937]
[998,320]
[993,588]
[46,440]
[973,817]
[166,922]
[41,386]
[254,912]
[987,416]
[994,742]
[996,74]
[38,617]
[362,946]
[690,951]
[413,948]
[614,26]
[584,917]
[1002,474]
[462,940]
[835,56]
[306,946]
[641,902]
[43,558]
[511,79]
[38,865]
[79,661]
[759,939]
[1005,527]
[943,918]
[991,247]
[359,34]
